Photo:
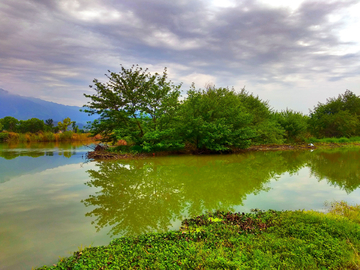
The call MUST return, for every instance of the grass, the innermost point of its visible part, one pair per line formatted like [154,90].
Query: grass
[334,140]
[43,137]
[351,212]
[258,240]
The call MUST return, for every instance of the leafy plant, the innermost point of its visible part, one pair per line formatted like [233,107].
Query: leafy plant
[215,120]
[132,103]
[224,240]
[338,117]
[64,124]
[295,124]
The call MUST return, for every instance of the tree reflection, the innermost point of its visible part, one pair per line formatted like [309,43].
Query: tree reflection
[138,196]
[340,167]
[15,154]
[11,151]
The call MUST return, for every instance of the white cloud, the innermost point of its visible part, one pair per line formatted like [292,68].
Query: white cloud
[283,51]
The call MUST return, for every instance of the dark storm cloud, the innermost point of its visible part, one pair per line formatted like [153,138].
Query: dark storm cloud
[61,45]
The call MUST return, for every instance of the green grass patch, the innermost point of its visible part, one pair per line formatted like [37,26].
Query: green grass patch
[333,140]
[259,240]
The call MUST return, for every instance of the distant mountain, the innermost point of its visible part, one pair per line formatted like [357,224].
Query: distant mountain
[24,108]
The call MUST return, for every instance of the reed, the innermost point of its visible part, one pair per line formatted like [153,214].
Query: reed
[13,137]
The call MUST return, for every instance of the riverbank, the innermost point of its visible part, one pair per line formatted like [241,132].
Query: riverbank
[102,153]
[257,240]
[67,136]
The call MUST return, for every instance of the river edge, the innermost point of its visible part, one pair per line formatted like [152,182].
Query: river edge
[258,240]
[103,154]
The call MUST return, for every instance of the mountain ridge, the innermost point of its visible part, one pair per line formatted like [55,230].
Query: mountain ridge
[24,108]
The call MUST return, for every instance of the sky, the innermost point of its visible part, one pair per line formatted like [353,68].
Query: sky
[292,54]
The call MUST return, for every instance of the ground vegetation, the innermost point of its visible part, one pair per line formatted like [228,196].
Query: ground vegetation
[225,240]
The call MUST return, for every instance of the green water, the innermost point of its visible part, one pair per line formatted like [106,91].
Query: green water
[52,201]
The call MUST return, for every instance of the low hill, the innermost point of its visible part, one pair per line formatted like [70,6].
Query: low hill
[24,108]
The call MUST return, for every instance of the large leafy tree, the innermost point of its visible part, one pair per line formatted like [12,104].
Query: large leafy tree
[266,128]
[294,123]
[9,123]
[338,117]
[136,106]
[64,124]
[32,125]
[215,120]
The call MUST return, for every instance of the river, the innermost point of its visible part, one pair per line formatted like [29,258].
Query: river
[54,202]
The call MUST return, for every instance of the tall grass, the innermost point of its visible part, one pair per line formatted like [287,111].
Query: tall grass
[13,137]
[343,209]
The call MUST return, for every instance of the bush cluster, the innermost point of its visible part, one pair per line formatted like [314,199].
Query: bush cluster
[148,113]
[36,130]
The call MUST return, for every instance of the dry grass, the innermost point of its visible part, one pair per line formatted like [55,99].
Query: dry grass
[343,209]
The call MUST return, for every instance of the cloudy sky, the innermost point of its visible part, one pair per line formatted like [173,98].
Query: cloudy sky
[292,55]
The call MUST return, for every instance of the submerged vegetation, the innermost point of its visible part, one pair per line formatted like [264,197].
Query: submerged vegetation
[225,240]
[146,113]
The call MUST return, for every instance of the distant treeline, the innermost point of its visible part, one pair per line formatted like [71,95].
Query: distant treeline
[36,130]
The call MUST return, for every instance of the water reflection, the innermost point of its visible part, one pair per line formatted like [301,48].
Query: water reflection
[139,196]
[14,150]
[19,159]
[339,167]
[40,197]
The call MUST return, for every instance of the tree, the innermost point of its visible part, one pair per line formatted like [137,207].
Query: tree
[294,123]
[1,126]
[64,124]
[215,120]
[9,123]
[50,124]
[32,125]
[338,117]
[135,106]
[74,127]
[266,128]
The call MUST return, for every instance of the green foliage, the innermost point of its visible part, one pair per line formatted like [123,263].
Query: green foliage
[294,123]
[339,117]
[49,124]
[144,110]
[3,136]
[9,123]
[343,209]
[135,106]
[74,127]
[267,130]
[63,126]
[262,240]
[214,119]
[1,126]
[32,125]
[165,140]
[334,140]
[66,136]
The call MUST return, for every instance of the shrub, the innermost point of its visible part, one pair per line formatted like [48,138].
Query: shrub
[66,136]
[4,136]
